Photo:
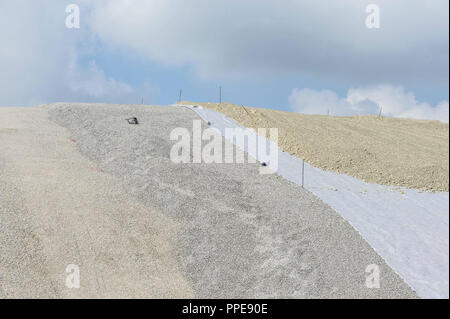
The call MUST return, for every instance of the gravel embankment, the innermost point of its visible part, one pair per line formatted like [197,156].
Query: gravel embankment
[244,235]
[57,208]
[387,151]
[23,266]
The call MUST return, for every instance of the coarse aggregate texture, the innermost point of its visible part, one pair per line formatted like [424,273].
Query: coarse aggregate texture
[382,150]
[243,235]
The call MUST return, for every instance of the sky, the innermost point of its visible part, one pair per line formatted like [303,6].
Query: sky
[315,57]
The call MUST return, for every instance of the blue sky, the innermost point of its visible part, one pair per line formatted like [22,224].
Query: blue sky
[265,92]
[296,55]
[262,91]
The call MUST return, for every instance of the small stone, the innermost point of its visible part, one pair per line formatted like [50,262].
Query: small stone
[133,120]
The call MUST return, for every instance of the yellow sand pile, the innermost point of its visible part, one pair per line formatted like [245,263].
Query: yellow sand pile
[388,151]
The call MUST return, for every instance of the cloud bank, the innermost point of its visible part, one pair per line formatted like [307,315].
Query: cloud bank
[391,100]
[42,61]
[235,38]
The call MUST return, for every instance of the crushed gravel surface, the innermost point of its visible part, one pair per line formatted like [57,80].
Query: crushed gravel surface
[243,235]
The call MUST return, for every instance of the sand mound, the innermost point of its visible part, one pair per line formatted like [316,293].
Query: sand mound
[387,151]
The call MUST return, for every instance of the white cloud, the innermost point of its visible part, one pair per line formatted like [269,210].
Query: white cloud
[40,58]
[220,38]
[236,38]
[91,81]
[394,101]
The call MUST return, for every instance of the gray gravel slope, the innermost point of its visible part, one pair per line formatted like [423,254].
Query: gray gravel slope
[245,235]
